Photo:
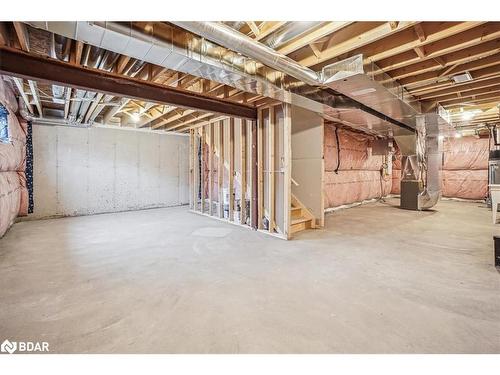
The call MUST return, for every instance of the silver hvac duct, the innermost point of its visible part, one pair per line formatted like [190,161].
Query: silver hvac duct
[235,24]
[230,38]
[287,32]
[91,57]
[107,62]
[60,49]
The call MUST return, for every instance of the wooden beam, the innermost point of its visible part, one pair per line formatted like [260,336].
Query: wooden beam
[393,24]
[441,42]
[268,28]
[253,27]
[192,120]
[315,50]
[243,171]
[287,167]
[432,77]
[20,87]
[461,88]
[260,169]
[231,169]
[270,169]
[192,160]
[4,34]
[203,174]
[253,176]
[211,154]
[22,35]
[220,167]
[357,41]
[67,102]
[311,37]
[420,51]
[21,64]
[34,92]
[420,32]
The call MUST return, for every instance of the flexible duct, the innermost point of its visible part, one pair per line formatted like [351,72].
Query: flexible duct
[226,36]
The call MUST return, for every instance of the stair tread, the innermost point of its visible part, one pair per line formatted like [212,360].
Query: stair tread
[300,220]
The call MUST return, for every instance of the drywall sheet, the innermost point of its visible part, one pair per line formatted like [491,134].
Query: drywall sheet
[80,171]
[307,160]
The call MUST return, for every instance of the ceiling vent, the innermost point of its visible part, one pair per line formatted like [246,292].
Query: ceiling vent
[461,78]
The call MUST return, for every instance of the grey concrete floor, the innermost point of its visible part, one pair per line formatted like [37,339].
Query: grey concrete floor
[377,279]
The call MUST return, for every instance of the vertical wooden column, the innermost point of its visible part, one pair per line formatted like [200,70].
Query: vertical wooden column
[260,169]
[203,174]
[243,169]
[211,153]
[287,161]
[254,177]
[196,168]
[271,169]
[220,168]
[231,169]
[191,169]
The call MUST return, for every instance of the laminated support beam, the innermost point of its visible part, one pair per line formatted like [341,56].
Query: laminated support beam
[43,69]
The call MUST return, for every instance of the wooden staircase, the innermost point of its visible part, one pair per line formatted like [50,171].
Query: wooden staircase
[301,217]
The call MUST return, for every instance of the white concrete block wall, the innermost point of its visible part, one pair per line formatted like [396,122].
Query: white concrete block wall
[88,171]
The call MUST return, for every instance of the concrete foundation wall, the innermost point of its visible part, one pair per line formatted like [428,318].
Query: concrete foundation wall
[95,170]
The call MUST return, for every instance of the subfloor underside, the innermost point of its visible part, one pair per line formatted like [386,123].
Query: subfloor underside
[377,279]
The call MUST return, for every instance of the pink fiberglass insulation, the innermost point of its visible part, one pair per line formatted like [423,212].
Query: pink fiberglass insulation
[358,176]
[465,168]
[13,192]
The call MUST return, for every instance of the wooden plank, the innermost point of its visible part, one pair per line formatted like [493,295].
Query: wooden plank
[231,169]
[196,170]
[4,34]
[310,37]
[260,169]
[191,169]
[287,166]
[220,168]
[270,169]
[211,154]
[357,41]
[203,174]
[22,35]
[254,177]
[20,87]
[243,170]
[34,92]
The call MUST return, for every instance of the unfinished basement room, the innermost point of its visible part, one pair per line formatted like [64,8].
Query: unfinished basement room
[250,186]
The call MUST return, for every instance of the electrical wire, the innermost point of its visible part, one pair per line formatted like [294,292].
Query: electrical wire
[338,150]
